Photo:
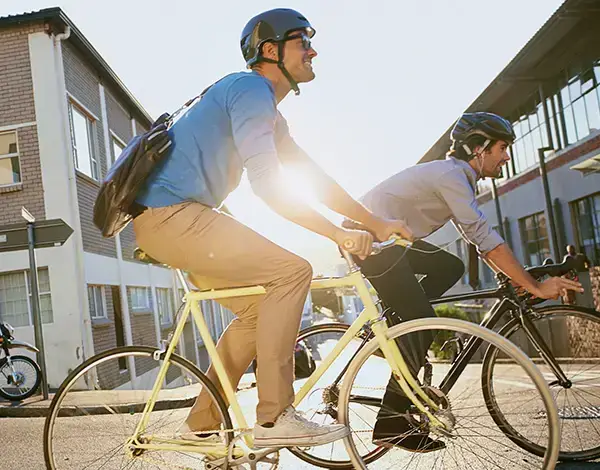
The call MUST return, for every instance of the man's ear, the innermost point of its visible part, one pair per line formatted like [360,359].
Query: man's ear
[270,51]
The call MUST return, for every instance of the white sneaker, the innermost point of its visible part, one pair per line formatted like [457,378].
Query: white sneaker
[184,432]
[292,429]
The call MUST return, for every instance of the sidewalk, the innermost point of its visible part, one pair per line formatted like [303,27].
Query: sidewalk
[124,401]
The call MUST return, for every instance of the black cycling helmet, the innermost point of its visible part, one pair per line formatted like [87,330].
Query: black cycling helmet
[276,26]
[489,125]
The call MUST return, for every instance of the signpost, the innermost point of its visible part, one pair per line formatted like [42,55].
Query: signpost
[29,236]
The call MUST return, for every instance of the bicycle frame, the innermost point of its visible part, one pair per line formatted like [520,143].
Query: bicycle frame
[490,320]
[370,315]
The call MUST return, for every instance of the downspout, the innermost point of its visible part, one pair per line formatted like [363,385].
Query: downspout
[498,210]
[86,327]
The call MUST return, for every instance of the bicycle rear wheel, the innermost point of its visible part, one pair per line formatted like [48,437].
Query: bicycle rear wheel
[322,404]
[97,408]
[471,438]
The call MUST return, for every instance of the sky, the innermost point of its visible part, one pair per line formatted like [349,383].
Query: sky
[391,76]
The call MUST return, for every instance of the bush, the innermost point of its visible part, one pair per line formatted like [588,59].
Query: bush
[447,311]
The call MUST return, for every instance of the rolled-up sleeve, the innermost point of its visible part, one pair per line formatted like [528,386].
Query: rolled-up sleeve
[253,114]
[454,188]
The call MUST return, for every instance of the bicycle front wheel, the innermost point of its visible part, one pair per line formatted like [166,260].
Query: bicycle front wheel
[470,438]
[98,406]
[573,336]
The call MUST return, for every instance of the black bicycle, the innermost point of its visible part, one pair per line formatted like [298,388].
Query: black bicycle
[563,341]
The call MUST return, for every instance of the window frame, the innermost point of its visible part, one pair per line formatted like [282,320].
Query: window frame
[16,155]
[91,120]
[137,290]
[165,320]
[91,290]
[115,139]
[27,284]
[525,240]
[574,210]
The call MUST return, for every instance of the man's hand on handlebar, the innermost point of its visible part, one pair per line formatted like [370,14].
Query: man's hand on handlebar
[554,287]
[356,242]
[389,228]
[385,229]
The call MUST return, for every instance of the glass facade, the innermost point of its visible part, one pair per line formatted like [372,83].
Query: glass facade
[573,106]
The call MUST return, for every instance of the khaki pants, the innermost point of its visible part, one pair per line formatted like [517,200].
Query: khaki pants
[219,252]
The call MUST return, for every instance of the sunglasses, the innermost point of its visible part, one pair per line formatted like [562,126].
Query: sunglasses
[306,44]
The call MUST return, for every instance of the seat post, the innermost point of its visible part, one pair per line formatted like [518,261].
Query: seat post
[182,279]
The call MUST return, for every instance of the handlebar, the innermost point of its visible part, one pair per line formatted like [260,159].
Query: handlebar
[554,270]
[378,247]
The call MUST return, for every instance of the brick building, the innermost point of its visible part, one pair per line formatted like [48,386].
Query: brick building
[64,116]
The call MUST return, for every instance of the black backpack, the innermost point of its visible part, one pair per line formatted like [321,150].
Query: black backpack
[115,204]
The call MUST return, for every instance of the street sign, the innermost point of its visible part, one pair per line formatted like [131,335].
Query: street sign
[29,236]
[48,233]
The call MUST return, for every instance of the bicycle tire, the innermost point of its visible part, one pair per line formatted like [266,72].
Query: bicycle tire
[122,351]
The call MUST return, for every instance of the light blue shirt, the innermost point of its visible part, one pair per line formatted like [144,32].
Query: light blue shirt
[234,126]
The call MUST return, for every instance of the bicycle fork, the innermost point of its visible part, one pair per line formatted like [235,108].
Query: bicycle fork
[544,351]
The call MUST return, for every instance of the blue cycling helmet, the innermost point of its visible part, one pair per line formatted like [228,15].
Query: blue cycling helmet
[488,125]
[275,26]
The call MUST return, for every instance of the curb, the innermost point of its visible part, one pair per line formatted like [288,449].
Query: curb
[37,410]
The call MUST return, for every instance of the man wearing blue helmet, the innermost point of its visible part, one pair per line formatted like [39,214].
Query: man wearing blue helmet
[427,196]
[235,127]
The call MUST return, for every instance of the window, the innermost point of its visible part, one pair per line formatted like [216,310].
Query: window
[580,102]
[117,148]
[15,298]
[165,305]
[82,139]
[531,132]
[96,302]
[10,169]
[586,213]
[140,299]
[534,234]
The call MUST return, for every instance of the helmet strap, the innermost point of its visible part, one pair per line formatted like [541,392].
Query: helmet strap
[287,75]
[293,83]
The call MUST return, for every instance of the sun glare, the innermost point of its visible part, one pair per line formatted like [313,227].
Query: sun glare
[299,184]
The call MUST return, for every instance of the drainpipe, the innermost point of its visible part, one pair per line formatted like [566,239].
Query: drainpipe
[548,201]
[544,175]
[86,327]
[498,210]
[64,35]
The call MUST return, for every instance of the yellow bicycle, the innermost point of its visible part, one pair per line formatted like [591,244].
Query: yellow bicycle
[122,407]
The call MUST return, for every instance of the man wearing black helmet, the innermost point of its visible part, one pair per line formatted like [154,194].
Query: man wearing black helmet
[427,196]
[235,127]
